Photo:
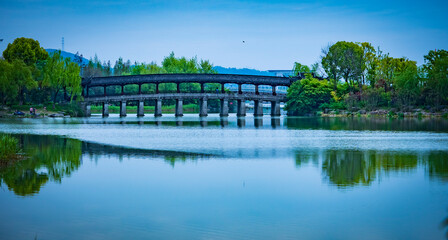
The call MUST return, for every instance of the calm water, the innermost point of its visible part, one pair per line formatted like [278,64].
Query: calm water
[213,178]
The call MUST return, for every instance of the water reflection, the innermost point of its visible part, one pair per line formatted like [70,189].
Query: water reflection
[258,122]
[372,123]
[48,159]
[348,168]
[51,158]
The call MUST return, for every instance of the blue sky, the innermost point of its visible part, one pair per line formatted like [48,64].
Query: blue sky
[276,33]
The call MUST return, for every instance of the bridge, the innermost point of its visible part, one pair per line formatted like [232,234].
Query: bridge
[202,79]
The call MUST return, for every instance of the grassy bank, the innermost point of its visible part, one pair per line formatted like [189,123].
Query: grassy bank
[72,109]
[187,108]
[9,149]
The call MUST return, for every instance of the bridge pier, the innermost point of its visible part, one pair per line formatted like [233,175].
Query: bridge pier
[275,108]
[87,111]
[258,108]
[203,107]
[179,107]
[141,108]
[158,108]
[224,111]
[123,109]
[241,105]
[105,109]
[258,122]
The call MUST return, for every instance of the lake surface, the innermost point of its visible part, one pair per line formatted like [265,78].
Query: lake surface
[226,178]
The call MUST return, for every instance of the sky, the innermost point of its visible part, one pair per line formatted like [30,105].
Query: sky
[261,35]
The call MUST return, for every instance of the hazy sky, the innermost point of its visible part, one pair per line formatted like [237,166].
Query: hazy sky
[276,33]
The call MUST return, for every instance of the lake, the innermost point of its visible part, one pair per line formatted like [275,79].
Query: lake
[226,178]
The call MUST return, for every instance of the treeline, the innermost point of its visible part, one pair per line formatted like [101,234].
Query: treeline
[28,74]
[353,76]
[170,64]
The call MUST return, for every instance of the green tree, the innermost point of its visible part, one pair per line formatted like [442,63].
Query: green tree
[406,83]
[26,49]
[436,69]
[62,75]
[299,68]
[19,79]
[206,67]
[307,95]
[344,59]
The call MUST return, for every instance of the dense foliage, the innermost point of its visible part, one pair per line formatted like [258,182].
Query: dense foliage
[29,75]
[364,78]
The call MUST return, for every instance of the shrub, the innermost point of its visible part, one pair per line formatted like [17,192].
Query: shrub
[307,95]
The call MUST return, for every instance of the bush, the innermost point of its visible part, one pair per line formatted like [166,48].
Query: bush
[307,95]
[9,147]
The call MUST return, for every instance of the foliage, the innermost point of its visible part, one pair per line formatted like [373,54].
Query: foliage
[299,68]
[436,69]
[407,84]
[62,75]
[15,79]
[25,49]
[305,96]
[344,60]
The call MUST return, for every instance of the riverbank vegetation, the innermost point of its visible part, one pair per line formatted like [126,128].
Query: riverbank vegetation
[357,78]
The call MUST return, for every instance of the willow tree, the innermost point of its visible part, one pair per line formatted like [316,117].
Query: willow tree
[62,75]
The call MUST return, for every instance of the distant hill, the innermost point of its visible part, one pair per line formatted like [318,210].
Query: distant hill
[67,55]
[242,71]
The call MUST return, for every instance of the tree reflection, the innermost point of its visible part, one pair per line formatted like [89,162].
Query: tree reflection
[48,158]
[347,168]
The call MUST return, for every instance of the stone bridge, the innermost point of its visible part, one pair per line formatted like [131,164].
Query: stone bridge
[156,79]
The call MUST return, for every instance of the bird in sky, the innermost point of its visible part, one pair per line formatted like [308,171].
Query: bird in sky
[244,41]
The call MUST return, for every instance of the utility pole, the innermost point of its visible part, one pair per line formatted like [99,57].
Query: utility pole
[62,43]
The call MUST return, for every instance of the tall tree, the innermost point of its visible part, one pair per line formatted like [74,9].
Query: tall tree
[436,68]
[26,49]
[343,59]
[62,75]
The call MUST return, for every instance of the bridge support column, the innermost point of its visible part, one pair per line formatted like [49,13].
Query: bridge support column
[241,111]
[87,112]
[258,108]
[105,109]
[123,109]
[179,107]
[224,111]
[141,108]
[275,108]
[158,108]
[203,107]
